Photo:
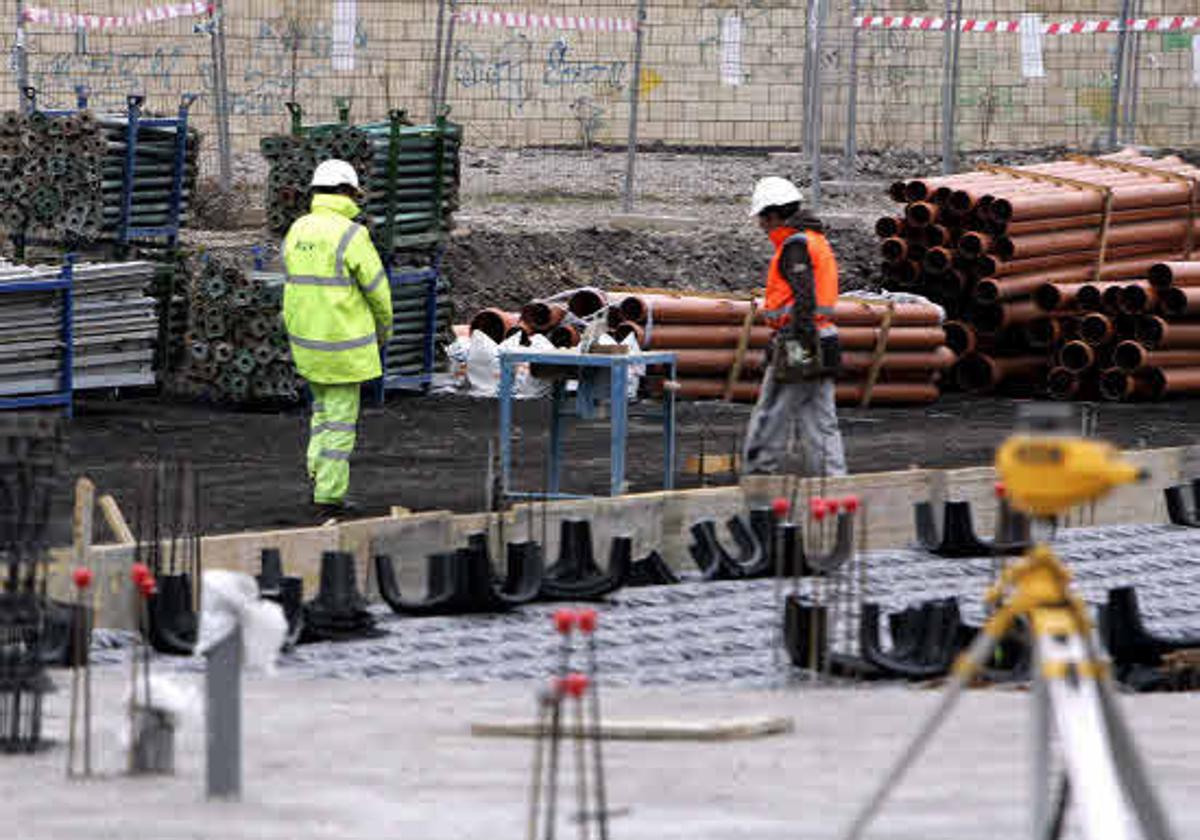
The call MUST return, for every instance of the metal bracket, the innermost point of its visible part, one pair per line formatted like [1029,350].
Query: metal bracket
[297,114]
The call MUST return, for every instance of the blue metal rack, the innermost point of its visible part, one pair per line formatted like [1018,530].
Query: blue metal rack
[64,286]
[588,369]
[430,278]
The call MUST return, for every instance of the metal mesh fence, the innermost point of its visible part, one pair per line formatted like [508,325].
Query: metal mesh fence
[544,94]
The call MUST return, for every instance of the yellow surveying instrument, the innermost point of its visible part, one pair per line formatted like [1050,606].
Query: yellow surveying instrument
[1047,472]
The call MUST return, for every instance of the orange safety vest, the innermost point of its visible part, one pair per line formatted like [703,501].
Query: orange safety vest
[779,298]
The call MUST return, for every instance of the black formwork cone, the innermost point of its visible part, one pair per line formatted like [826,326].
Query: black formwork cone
[287,592]
[173,620]
[339,611]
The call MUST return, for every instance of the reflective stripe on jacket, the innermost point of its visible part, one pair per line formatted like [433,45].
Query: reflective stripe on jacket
[779,298]
[337,303]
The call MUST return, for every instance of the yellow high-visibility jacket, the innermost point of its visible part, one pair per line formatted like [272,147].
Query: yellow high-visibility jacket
[337,304]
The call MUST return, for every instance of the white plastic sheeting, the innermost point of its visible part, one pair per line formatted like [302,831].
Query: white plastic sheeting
[231,599]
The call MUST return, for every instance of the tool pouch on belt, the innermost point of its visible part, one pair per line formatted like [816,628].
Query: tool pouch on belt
[799,352]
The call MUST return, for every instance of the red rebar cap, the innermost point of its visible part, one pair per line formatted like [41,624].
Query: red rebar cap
[147,587]
[575,685]
[1001,490]
[831,506]
[780,506]
[82,577]
[138,572]
[564,620]
[587,620]
[850,504]
[816,507]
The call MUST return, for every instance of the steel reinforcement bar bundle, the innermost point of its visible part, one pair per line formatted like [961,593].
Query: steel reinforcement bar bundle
[410,174]
[114,326]
[891,352]
[1070,278]
[63,175]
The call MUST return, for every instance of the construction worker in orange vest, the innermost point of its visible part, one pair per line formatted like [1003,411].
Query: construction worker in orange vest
[798,385]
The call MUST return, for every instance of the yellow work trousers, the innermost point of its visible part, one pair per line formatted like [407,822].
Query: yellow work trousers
[331,440]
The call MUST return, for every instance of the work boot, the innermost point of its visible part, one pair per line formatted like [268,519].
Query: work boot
[335,511]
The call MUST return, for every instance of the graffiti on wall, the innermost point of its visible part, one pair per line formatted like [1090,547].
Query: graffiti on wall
[285,56]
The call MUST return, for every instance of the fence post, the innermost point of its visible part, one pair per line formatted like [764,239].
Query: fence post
[447,57]
[1114,109]
[635,84]
[21,57]
[851,151]
[950,84]
[221,91]
[1133,79]
[812,84]
[435,86]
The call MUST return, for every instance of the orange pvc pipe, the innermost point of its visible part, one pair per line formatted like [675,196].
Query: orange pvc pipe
[981,372]
[1077,356]
[1131,356]
[1161,334]
[995,317]
[1166,274]
[1163,382]
[542,316]
[1172,233]
[1180,301]
[586,302]
[494,323]
[1137,298]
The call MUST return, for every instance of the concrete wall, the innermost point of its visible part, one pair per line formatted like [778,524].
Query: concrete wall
[654,520]
[531,87]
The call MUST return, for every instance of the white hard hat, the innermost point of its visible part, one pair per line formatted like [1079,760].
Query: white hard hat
[773,192]
[335,173]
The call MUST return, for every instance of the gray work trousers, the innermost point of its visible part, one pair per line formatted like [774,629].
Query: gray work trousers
[812,405]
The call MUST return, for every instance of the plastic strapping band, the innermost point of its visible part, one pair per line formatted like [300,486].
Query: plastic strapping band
[649,330]
[877,360]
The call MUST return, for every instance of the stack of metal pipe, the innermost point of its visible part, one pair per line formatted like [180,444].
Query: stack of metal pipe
[1044,269]
[51,171]
[153,174]
[405,207]
[115,326]
[63,176]
[236,343]
[899,348]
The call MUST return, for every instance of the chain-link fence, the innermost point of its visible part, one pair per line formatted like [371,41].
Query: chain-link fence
[546,95]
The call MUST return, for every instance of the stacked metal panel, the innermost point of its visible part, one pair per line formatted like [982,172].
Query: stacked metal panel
[115,325]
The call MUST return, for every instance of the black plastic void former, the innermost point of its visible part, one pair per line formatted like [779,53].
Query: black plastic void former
[1125,634]
[1177,508]
[651,570]
[576,576]
[805,626]
[287,592]
[759,543]
[926,639]
[957,537]
[462,581]
[339,612]
[174,624]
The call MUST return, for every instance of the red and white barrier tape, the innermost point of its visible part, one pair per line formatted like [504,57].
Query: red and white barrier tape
[71,20]
[524,20]
[1070,27]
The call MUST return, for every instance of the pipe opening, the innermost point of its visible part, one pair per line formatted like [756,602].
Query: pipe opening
[1089,297]
[1048,297]
[1160,275]
[887,226]
[1150,331]
[1129,356]
[1077,356]
[959,337]
[1174,301]
[1061,384]
[976,373]
[1096,329]
[1043,332]
[1115,384]
[893,249]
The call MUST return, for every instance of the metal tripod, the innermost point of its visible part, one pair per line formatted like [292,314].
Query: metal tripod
[1072,695]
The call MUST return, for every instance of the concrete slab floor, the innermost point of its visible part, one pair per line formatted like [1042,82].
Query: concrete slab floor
[393,759]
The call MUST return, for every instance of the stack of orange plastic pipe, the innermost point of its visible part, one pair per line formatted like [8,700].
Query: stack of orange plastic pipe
[1040,280]
[705,332]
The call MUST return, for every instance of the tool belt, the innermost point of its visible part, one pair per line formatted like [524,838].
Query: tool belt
[799,358]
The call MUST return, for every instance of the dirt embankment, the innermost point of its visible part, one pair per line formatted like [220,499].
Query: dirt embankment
[495,266]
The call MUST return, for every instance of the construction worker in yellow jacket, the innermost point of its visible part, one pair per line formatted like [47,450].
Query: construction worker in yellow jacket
[337,306]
